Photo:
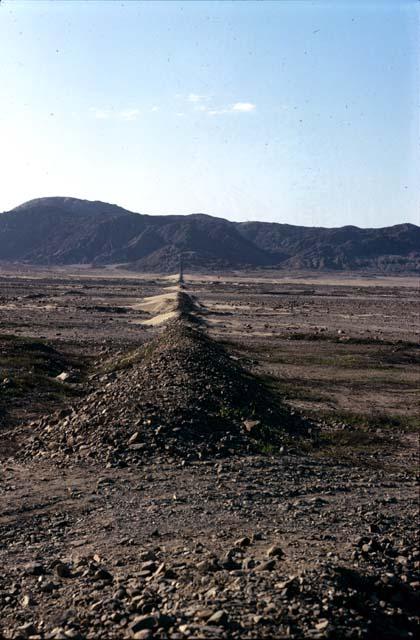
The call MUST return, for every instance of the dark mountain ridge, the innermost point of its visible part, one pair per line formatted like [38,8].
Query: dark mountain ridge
[73,231]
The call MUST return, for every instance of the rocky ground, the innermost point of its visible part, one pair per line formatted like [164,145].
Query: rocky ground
[180,395]
[245,547]
[310,535]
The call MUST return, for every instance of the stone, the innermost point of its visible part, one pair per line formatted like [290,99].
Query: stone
[267,566]
[57,633]
[286,584]
[149,565]
[243,542]
[219,618]
[104,481]
[48,586]
[203,614]
[147,555]
[63,376]
[72,634]
[248,563]
[144,634]
[164,621]
[275,552]
[34,569]
[62,570]
[322,624]
[27,600]
[103,574]
[142,622]
[27,630]
[134,438]
[251,425]
[161,569]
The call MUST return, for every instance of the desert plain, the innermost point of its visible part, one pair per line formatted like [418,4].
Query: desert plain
[310,535]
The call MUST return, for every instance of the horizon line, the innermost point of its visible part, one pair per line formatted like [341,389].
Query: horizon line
[199,213]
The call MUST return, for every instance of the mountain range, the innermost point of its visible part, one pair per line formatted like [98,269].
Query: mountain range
[64,230]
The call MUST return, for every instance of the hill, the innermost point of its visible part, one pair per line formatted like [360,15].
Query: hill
[73,231]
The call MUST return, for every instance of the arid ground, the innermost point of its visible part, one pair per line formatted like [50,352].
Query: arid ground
[314,538]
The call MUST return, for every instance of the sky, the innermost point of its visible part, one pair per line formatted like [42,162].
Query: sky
[298,112]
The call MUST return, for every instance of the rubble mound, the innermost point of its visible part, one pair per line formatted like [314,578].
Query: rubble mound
[189,307]
[181,394]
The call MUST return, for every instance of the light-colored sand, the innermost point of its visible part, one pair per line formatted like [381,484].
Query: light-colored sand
[270,276]
[164,306]
[229,307]
[159,304]
[46,307]
[173,278]
[160,319]
[350,279]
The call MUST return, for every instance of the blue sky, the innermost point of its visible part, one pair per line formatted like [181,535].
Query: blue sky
[298,112]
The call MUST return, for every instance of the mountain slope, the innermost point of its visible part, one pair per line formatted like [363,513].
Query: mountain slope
[69,231]
[342,248]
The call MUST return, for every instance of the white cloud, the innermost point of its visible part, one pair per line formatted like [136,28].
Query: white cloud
[202,103]
[194,97]
[244,107]
[238,107]
[129,114]
[106,114]
[101,114]
[217,112]
[153,109]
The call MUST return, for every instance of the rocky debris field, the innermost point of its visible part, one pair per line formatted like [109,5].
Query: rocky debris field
[180,395]
[254,547]
[168,487]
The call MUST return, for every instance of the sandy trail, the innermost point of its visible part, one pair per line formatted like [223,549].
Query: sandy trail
[162,307]
[166,306]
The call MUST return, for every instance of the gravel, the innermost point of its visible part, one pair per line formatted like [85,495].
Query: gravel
[180,395]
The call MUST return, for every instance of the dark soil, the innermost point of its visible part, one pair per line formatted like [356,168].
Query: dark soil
[227,520]
[181,394]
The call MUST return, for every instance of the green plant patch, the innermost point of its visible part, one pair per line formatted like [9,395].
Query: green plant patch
[28,370]
[295,390]
[17,353]
[386,422]
[141,354]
